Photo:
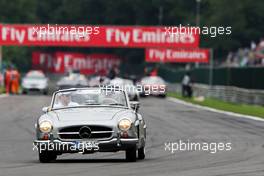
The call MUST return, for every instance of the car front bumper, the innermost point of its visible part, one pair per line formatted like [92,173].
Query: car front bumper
[34,88]
[112,145]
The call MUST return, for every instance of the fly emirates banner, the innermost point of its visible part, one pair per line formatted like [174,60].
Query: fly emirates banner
[94,36]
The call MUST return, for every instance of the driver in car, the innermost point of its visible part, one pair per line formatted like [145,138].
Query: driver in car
[64,100]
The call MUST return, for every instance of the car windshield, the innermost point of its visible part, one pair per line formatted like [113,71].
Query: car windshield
[35,75]
[89,97]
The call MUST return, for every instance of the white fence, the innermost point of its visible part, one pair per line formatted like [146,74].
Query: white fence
[226,93]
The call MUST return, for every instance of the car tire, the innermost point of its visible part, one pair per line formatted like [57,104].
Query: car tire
[143,95]
[162,96]
[45,92]
[131,154]
[47,156]
[141,153]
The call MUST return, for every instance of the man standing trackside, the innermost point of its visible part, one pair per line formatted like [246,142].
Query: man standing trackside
[187,86]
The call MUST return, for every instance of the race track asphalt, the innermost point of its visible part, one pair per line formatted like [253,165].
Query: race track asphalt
[166,121]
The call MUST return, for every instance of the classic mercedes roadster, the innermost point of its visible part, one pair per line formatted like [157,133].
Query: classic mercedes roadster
[88,120]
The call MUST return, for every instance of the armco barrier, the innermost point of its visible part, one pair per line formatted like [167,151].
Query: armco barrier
[248,78]
[225,93]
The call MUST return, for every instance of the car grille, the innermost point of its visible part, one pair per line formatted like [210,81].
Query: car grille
[96,132]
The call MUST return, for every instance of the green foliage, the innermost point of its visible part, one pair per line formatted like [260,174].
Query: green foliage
[245,17]
[19,56]
[18,11]
[2,90]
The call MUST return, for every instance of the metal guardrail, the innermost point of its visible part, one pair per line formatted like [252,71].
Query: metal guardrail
[225,93]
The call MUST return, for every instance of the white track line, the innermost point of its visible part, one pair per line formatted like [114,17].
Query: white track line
[175,100]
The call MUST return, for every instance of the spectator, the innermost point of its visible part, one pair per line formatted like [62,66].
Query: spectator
[14,80]
[114,72]
[154,72]
[1,79]
[253,45]
[7,80]
[187,86]
[246,56]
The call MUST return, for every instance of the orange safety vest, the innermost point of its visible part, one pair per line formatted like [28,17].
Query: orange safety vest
[15,76]
[7,80]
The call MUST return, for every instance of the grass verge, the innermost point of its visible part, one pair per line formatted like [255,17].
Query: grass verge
[226,106]
[2,90]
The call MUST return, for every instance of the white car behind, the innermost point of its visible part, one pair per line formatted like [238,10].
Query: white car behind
[128,86]
[72,80]
[153,85]
[35,80]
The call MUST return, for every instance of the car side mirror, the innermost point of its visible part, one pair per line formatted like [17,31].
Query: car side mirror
[46,109]
[135,105]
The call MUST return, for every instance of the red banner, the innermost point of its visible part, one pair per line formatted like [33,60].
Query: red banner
[177,55]
[95,36]
[60,62]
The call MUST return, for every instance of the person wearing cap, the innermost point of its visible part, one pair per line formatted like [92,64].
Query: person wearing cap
[64,100]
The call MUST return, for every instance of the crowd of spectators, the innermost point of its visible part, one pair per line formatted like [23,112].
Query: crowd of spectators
[246,57]
[1,80]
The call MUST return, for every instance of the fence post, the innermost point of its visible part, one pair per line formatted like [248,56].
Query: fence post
[211,69]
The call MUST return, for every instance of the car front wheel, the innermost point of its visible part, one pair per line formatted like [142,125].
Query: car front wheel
[131,154]
[47,156]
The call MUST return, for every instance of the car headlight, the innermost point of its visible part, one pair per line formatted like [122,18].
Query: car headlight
[45,126]
[124,124]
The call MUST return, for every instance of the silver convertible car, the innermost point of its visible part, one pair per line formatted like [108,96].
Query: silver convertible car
[88,120]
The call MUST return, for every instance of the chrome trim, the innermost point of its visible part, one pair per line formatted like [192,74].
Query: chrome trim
[71,142]
[100,142]
[68,133]
[93,132]
[128,140]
